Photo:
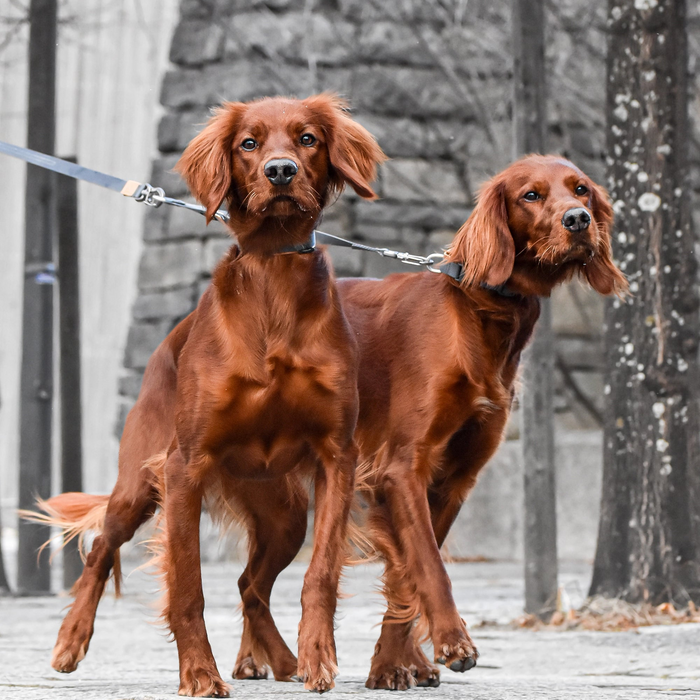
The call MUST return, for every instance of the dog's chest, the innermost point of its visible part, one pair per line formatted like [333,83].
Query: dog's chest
[264,427]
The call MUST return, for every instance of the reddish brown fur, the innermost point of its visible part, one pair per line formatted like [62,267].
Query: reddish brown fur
[258,384]
[438,362]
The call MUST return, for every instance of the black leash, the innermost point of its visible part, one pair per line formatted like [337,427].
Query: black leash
[155,197]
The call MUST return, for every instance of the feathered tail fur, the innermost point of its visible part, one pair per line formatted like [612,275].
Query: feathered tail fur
[76,514]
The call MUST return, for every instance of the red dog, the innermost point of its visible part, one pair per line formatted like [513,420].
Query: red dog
[254,390]
[439,357]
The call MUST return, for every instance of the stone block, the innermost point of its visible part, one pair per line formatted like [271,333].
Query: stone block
[299,37]
[169,304]
[189,124]
[201,9]
[396,10]
[130,384]
[210,9]
[142,340]
[124,405]
[346,261]
[170,265]
[168,132]
[163,175]
[197,41]
[337,218]
[239,81]
[214,250]
[403,137]
[392,42]
[398,137]
[412,215]
[185,223]
[155,223]
[420,92]
[415,180]
[202,287]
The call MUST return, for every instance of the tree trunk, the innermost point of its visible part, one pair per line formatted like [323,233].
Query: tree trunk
[530,128]
[36,383]
[648,535]
[69,332]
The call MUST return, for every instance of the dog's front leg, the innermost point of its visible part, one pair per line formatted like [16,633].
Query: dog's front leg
[184,611]
[333,494]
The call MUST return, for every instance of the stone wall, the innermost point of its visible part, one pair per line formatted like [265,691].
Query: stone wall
[432,80]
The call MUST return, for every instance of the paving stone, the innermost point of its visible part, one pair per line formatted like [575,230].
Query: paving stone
[129,657]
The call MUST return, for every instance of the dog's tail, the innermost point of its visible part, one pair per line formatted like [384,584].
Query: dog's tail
[76,514]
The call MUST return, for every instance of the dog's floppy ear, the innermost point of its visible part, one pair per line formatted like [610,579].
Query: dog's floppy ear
[206,164]
[484,244]
[600,271]
[353,152]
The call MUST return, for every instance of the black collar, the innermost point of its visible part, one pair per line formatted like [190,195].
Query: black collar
[308,246]
[456,272]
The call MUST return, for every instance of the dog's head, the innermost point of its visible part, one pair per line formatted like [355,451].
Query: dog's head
[539,222]
[279,158]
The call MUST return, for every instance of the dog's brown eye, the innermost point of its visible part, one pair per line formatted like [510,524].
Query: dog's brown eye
[249,145]
[531,196]
[581,190]
[307,140]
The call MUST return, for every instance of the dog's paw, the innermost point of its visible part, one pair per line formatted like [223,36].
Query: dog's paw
[318,675]
[426,675]
[202,682]
[70,649]
[390,677]
[248,670]
[457,652]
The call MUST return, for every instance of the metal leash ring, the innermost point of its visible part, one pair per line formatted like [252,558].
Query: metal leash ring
[434,259]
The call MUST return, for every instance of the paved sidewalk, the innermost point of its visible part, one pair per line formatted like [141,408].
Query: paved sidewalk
[130,658]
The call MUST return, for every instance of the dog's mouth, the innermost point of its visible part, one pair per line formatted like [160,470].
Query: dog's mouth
[283,204]
[580,251]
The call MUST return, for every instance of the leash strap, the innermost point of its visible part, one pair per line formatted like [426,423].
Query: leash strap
[155,197]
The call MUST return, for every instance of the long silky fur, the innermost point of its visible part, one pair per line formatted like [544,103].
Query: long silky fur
[75,514]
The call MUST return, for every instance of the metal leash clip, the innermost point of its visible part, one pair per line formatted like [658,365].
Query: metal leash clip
[407,258]
[151,196]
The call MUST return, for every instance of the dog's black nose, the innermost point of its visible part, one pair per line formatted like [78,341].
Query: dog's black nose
[576,220]
[281,171]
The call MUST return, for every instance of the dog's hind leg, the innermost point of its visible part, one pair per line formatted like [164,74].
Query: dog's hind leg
[131,503]
[276,518]
[398,662]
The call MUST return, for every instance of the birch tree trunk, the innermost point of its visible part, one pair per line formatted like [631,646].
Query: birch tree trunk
[648,534]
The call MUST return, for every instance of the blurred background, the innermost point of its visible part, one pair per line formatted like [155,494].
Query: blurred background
[431,79]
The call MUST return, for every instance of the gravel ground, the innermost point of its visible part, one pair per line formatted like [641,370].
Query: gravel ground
[130,656]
